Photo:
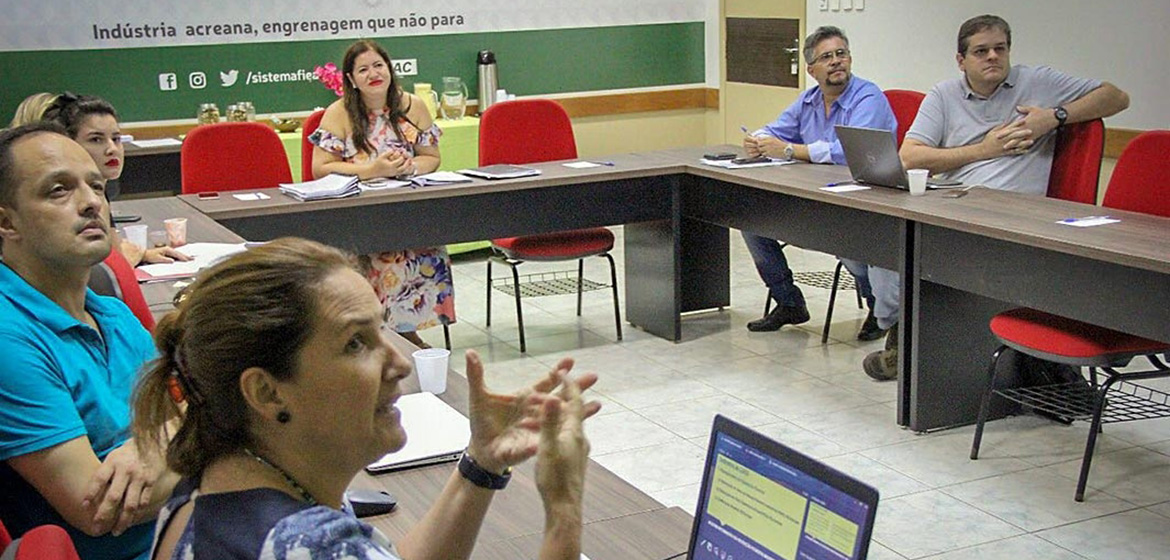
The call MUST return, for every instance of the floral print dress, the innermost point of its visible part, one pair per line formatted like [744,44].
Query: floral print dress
[414,285]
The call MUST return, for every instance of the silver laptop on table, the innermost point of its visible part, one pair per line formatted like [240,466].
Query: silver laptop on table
[763,500]
[872,155]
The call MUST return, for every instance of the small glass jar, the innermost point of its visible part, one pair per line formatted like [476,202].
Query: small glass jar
[208,113]
[237,113]
[249,110]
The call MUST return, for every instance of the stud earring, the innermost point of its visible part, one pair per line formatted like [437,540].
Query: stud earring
[283,417]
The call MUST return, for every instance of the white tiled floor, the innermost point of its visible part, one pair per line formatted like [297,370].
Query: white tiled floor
[658,399]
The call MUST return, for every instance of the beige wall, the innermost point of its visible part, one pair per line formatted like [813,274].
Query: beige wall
[639,132]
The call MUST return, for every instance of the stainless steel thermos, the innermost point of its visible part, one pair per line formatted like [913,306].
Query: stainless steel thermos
[488,81]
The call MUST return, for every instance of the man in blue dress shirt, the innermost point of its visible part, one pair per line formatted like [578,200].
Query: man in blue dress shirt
[70,358]
[804,131]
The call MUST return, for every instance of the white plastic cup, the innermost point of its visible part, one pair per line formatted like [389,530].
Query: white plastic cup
[431,365]
[917,179]
[136,234]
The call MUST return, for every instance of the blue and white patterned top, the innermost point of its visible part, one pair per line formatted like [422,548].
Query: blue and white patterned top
[266,524]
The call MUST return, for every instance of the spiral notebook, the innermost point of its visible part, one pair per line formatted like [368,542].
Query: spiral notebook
[436,433]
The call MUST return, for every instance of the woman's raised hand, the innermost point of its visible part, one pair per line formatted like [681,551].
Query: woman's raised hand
[564,449]
[507,429]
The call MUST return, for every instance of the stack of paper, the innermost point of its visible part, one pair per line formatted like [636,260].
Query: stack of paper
[381,183]
[332,185]
[203,255]
[731,164]
[502,171]
[439,178]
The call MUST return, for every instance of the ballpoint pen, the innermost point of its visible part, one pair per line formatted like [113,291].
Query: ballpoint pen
[837,183]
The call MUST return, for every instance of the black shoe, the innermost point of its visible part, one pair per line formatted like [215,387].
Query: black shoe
[782,315]
[870,329]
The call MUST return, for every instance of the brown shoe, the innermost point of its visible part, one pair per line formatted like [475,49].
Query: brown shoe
[883,364]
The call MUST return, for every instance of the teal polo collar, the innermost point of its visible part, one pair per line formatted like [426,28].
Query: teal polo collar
[23,295]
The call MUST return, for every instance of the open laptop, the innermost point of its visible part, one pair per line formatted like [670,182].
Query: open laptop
[438,434]
[763,500]
[872,155]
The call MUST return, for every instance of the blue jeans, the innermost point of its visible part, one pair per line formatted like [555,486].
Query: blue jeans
[860,272]
[773,269]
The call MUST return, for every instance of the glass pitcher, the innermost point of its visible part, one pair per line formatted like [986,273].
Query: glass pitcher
[453,100]
[429,98]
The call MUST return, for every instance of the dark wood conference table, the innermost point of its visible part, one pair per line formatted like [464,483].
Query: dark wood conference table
[620,520]
[963,259]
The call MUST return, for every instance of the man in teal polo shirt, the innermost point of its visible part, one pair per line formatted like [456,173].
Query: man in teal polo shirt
[70,358]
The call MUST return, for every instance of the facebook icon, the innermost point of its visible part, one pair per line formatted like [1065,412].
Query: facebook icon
[168,82]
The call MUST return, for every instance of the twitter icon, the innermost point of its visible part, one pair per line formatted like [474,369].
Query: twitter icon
[228,79]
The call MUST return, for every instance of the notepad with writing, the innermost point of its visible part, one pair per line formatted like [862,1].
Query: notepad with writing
[501,171]
[435,433]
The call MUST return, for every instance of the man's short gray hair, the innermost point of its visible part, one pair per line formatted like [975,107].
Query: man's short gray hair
[823,32]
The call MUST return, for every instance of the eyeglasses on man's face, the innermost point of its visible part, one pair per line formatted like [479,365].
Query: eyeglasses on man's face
[828,56]
[983,51]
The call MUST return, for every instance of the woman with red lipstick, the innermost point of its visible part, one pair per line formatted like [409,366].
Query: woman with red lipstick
[279,378]
[93,123]
[377,130]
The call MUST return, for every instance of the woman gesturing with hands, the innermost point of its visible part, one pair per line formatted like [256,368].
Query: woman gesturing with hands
[281,378]
[506,430]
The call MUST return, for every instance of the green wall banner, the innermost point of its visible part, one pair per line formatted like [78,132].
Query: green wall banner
[158,84]
[62,25]
[159,60]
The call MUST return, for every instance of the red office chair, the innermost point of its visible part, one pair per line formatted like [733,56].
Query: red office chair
[46,542]
[1137,185]
[233,156]
[905,104]
[308,127]
[532,131]
[126,288]
[1076,165]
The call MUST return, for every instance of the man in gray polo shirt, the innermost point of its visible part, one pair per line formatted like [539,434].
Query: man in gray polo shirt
[993,126]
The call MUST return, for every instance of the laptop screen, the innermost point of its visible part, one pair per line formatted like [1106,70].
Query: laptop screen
[762,500]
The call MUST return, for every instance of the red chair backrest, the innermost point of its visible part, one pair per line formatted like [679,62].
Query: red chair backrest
[1139,182]
[1076,165]
[128,289]
[47,542]
[525,131]
[905,104]
[311,123]
[233,156]
[5,538]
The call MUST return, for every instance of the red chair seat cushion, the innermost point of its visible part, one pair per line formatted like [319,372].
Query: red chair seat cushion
[562,245]
[1054,335]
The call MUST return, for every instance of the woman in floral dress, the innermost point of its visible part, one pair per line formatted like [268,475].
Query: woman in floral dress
[377,130]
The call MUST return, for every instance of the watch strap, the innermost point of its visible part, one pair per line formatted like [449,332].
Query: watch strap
[1061,115]
[481,477]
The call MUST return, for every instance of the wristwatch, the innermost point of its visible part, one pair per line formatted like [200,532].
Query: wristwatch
[790,152]
[481,477]
[1061,115]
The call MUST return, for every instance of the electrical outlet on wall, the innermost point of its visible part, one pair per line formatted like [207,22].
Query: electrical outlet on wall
[846,5]
[824,5]
[835,5]
[858,5]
